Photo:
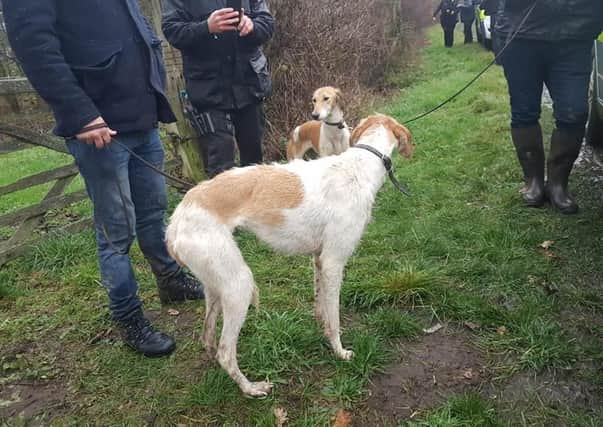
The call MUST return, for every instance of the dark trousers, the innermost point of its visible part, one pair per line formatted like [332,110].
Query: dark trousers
[467,18]
[563,66]
[448,35]
[245,127]
[468,32]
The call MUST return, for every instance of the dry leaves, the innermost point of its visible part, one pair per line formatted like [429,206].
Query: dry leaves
[433,329]
[547,244]
[342,419]
[471,325]
[281,416]
[468,374]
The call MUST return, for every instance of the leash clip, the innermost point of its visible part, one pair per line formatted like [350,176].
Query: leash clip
[388,165]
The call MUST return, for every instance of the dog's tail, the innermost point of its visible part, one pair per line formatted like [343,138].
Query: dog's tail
[170,237]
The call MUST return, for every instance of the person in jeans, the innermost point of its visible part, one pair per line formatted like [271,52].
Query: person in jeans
[99,67]
[449,16]
[553,47]
[226,74]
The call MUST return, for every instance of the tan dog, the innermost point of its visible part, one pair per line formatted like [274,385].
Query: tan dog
[328,133]
[319,208]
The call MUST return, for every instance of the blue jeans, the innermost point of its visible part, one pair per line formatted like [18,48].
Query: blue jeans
[563,66]
[129,200]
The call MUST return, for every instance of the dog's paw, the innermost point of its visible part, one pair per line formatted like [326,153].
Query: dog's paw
[346,355]
[259,389]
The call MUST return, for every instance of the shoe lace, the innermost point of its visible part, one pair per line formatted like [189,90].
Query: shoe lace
[140,329]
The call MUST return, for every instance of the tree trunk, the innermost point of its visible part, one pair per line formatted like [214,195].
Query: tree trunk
[181,135]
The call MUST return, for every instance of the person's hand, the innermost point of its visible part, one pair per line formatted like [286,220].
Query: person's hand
[246,25]
[98,135]
[222,20]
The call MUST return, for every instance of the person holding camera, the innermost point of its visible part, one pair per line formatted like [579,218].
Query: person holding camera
[226,73]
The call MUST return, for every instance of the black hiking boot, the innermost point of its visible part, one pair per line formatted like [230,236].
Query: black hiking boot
[140,335]
[179,287]
[565,147]
[530,152]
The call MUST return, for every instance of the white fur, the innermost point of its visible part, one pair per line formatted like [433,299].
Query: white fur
[339,192]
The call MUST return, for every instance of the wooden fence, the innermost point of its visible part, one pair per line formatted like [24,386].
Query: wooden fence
[25,221]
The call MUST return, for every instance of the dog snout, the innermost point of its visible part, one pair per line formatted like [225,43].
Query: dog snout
[315,116]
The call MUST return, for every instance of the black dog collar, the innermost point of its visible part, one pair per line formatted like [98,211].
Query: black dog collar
[387,163]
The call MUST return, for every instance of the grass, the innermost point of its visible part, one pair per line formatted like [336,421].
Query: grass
[461,249]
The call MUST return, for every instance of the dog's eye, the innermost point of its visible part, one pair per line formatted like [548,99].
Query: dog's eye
[314,101]
[326,98]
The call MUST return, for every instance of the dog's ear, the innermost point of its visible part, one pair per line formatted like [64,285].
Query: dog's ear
[358,131]
[404,140]
[339,99]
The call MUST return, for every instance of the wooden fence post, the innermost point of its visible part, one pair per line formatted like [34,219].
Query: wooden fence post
[181,135]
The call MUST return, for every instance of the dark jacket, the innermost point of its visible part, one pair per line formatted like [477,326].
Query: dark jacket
[449,13]
[553,19]
[222,71]
[490,7]
[90,58]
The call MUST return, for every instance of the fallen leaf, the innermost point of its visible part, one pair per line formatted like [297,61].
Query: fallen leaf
[281,416]
[173,312]
[342,419]
[471,325]
[501,330]
[433,329]
[547,244]
[468,374]
[549,288]
[550,254]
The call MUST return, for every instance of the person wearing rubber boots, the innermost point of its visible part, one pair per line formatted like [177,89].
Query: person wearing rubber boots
[552,47]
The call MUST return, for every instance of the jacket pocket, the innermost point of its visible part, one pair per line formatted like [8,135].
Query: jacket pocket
[94,65]
[259,65]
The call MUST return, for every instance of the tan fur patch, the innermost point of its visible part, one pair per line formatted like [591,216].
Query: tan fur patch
[401,133]
[258,194]
[308,132]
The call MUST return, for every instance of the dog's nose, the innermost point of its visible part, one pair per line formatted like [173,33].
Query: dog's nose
[315,116]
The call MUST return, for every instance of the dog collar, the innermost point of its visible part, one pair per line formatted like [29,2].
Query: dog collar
[340,124]
[387,163]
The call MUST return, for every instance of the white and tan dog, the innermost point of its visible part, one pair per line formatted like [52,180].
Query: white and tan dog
[328,133]
[319,208]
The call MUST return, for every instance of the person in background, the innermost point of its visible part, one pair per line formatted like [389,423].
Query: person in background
[226,74]
[449,16]
[99,67]
[552,47]
[467,13]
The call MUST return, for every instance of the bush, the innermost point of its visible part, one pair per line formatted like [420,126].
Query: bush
[344,43]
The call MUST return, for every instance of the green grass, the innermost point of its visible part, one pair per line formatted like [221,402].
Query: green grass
[461,249]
